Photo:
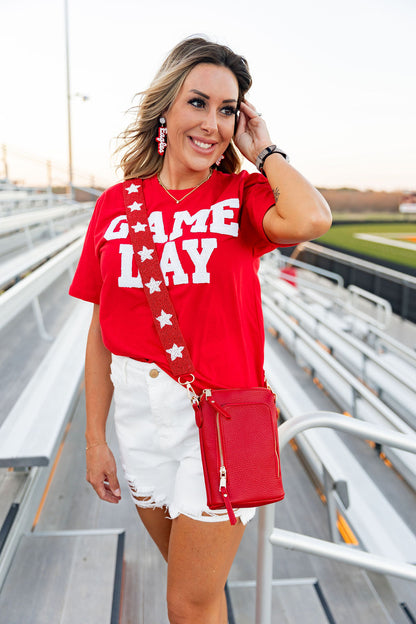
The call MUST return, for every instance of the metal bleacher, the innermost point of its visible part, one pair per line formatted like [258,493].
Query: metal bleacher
[39,246]
[368,384]
[334,367]
[313,321]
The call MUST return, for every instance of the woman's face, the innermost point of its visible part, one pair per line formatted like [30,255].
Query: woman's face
[200,122]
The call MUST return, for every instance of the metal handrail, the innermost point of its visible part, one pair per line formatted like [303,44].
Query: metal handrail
[87,189]
[380,303]
[310,267]
[16,298]
[371,267]
[382,339]
[268,535]
[338,293]
[21,220]
[362,348]
[358,389]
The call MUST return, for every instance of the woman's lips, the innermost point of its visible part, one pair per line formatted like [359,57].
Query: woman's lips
[204,147]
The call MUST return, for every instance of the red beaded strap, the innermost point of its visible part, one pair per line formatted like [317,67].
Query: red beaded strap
[161,306]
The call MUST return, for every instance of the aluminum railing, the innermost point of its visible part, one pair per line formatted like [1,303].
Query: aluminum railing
[26,220]
[320,327]
[348,298]
[358,390]
[26,292]
[383,310]
[269,536]
[403,303]
[380,340]
[370,267]
[283,261]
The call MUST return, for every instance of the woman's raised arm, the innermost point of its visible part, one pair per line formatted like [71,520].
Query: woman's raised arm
[300,212]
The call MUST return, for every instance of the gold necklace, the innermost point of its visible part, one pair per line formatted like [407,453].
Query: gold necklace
[185,196]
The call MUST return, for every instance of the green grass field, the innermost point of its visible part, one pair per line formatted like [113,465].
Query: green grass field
[342,236]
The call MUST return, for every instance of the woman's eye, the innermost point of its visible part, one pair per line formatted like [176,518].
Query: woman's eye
[197,102]
[228,110]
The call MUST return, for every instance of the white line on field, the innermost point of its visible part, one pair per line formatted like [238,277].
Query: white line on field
[373,238]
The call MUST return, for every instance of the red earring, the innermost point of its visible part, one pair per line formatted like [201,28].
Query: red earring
[162,136]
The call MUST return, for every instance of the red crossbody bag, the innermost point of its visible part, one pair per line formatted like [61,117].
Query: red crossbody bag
[237,427]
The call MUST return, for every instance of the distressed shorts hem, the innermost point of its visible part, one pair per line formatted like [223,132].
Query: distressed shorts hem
[148,501]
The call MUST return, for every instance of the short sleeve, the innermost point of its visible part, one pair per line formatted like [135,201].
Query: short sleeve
[257,199]
[87,281]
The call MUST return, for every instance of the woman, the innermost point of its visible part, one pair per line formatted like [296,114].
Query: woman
[210,225]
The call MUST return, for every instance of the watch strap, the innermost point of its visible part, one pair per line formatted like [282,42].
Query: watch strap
[271,149]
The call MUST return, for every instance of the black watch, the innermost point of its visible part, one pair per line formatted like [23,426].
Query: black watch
[272,149]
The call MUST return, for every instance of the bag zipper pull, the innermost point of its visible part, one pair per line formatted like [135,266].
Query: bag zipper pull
[223,477]
[224,494]
[208,397]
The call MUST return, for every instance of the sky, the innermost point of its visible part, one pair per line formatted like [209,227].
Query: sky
[334,80]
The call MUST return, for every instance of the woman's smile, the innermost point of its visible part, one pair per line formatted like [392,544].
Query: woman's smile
[202,145]
[200,124]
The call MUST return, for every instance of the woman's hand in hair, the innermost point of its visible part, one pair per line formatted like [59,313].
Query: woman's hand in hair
[252,135]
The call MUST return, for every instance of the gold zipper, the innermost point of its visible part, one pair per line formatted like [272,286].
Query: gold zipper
[277,456]
[223,470]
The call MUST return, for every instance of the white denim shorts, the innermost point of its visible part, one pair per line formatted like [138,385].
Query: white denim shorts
[159,442]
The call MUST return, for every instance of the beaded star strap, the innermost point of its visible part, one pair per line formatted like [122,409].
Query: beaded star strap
[161,306]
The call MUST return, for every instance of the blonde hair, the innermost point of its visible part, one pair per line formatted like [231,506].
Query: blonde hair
[141,158]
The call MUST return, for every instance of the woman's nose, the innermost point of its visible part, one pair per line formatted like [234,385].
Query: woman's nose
[209,123]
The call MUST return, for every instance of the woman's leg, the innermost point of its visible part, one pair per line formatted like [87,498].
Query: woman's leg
[200,557]
[158,525]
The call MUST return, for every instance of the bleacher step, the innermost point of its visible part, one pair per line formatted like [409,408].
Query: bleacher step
[32,431]
[70,577]
[303,601]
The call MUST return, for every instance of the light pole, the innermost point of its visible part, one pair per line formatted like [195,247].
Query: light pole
[84,98]
[6,169]
[68,99]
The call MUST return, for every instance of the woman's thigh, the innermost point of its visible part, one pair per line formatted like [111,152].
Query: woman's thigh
[158,525]
[200,558]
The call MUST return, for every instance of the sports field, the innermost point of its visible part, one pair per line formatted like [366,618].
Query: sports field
[394,242]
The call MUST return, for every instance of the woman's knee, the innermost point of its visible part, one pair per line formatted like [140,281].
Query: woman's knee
[184,610]
[180,611]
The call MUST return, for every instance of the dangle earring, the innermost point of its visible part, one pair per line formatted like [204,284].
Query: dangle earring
[218,162]
[162,136]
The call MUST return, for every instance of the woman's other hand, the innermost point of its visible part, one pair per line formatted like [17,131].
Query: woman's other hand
[102,473]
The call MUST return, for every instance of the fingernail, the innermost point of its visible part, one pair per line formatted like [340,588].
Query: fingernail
[117,492]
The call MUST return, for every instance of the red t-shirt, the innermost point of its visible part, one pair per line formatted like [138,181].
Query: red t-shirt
[209,247]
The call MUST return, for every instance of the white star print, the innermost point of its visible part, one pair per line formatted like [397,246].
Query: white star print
[139,227]
[132,188]
[145,254]
[135,206]
[175,352]
[164,318]
[153,285]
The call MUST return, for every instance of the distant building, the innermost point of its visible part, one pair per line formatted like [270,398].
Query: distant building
[408,202]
